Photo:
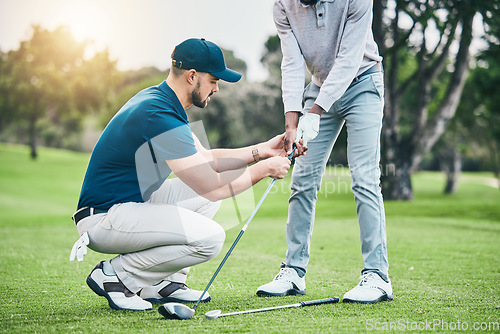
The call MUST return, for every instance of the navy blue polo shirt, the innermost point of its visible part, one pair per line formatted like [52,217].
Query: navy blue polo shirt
[128,162]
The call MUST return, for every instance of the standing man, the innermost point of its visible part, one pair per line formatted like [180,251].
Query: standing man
[335,41]
[158,226]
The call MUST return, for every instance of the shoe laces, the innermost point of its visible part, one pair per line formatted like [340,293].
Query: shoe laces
[366,278]
[285,274]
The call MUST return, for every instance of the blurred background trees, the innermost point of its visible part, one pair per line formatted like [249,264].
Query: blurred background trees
[427,50]
[47,86]
[442,96]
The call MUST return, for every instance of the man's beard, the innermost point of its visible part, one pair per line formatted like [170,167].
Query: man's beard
[196,97]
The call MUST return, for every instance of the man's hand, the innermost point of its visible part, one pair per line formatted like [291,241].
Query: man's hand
[273,147]
[308,127]
[277,167]
[291,121]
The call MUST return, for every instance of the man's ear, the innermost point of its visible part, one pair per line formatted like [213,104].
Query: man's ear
[190,76]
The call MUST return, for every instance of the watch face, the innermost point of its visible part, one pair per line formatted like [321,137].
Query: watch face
[309,2]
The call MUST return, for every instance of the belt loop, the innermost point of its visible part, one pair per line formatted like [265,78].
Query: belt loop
[91,211]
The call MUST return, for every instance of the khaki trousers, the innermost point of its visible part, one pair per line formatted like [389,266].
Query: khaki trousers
[159,239]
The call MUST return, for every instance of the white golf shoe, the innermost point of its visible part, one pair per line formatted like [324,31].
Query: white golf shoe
[286,283]
[166,292]
[371,289]
[117,294]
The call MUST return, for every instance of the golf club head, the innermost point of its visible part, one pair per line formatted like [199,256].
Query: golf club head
[176,311]
[212,315]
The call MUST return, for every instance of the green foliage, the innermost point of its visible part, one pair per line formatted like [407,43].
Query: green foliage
[478,116]
[49,80]
[427,46]
[272,57]
[49,89]
[443,251]
[242,114]
[476,127]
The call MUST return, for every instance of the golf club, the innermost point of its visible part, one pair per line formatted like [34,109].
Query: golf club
[212,315]
[183,312]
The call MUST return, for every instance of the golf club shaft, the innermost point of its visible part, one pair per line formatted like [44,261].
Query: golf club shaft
[240,234]
[301,304]
[236,241]
[259,310]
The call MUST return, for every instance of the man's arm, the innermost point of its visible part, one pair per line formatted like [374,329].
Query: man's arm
[292,64]
[293,77]
[231,159]
[197,172]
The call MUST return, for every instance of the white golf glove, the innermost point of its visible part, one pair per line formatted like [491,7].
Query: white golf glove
[308,127]
[80,248]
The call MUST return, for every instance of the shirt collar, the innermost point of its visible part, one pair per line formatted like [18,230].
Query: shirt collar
[165,88]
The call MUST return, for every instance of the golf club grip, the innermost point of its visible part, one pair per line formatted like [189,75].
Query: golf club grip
[293,151]
[320,301]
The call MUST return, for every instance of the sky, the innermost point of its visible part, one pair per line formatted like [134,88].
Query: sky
[144,32]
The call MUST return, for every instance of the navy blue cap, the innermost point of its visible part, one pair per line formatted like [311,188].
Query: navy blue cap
[203,56]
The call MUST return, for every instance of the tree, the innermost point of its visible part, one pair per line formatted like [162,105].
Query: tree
[424,78]
[48,78]
[478,114]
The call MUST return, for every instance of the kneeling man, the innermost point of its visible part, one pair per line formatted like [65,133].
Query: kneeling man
[161,226]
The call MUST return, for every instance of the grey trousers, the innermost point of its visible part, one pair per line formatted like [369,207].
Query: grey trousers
[159,239]
[361,110]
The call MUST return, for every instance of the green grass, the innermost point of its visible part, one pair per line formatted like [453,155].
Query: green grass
[444,254]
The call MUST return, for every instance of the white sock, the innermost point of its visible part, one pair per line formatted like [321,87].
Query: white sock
[107,268]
